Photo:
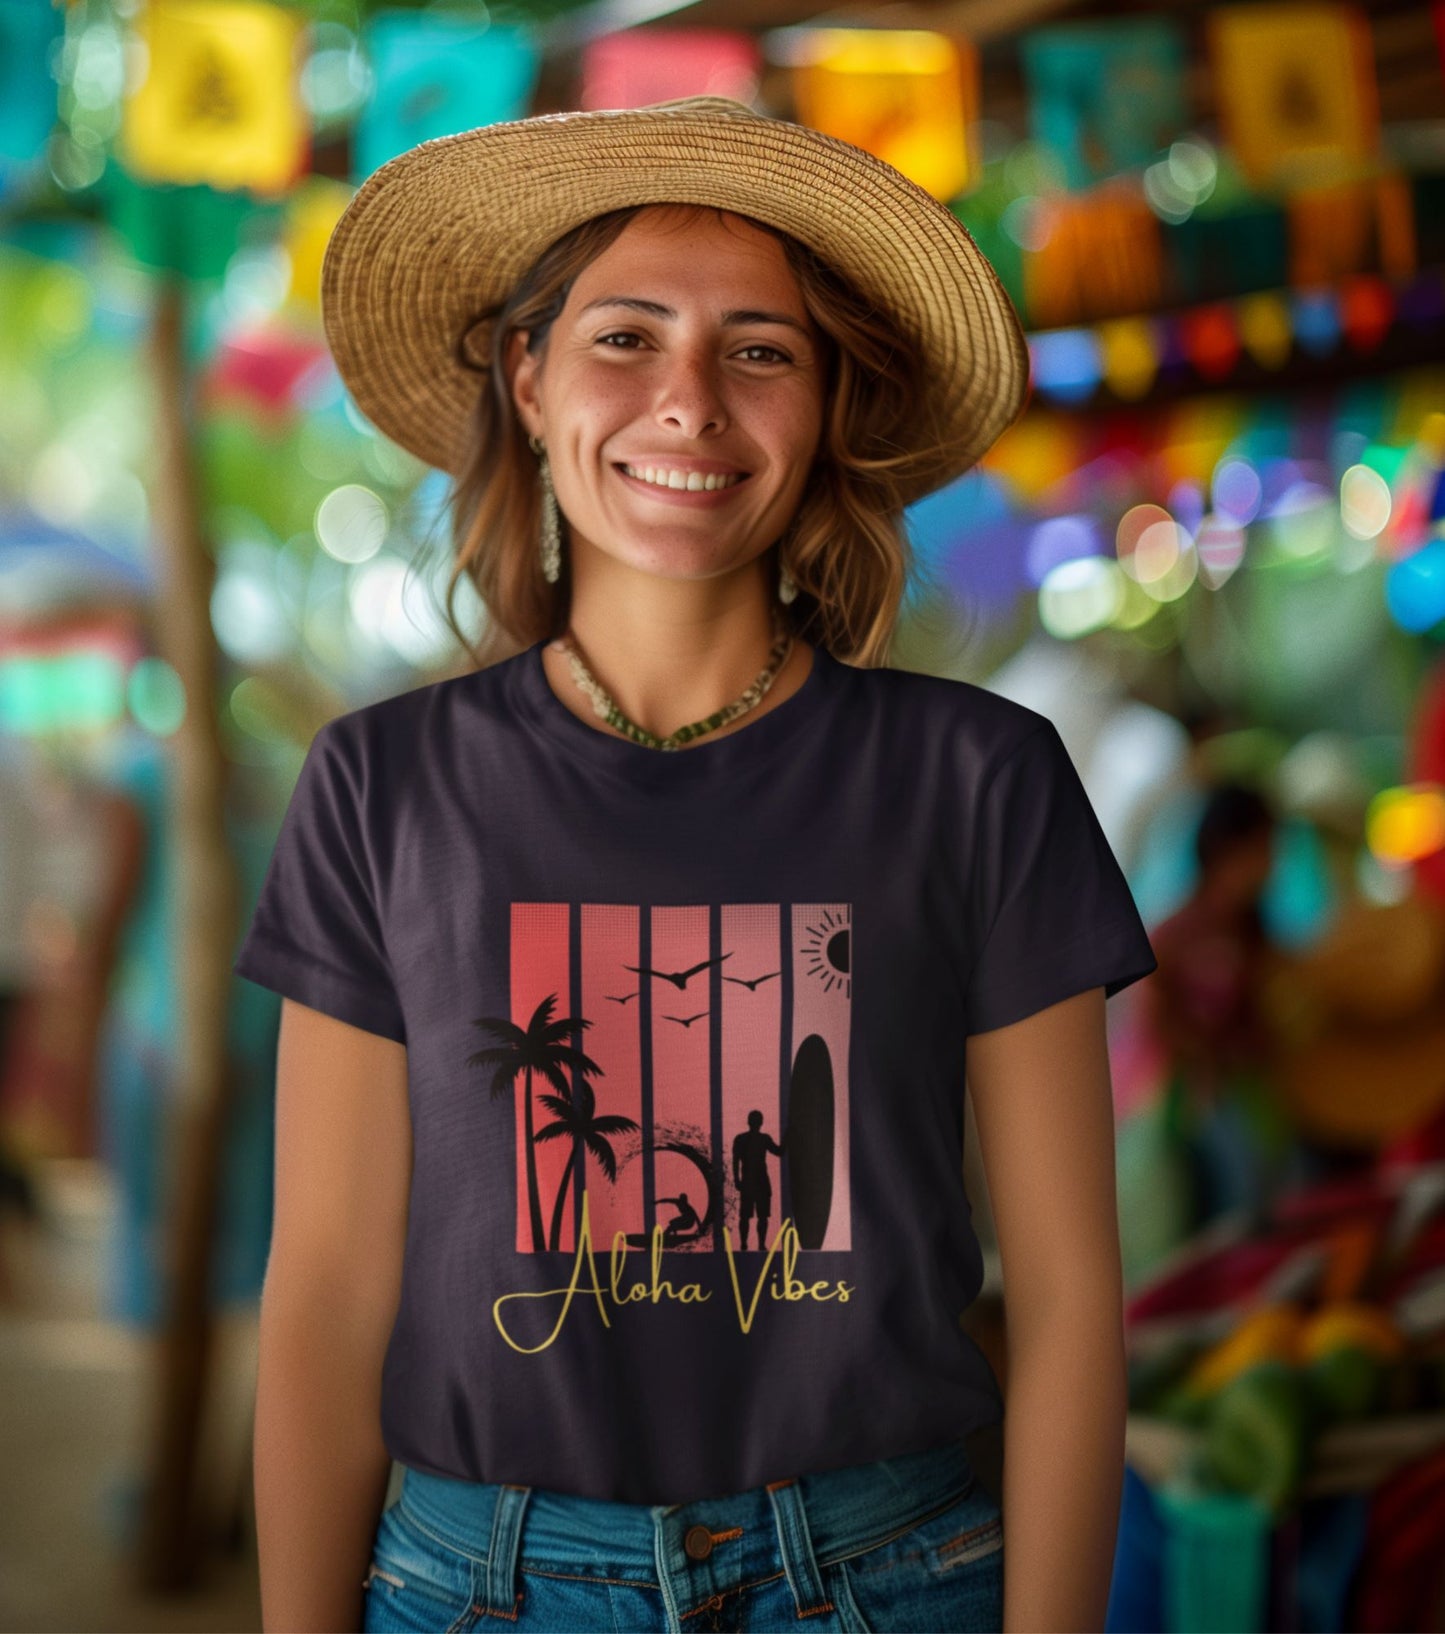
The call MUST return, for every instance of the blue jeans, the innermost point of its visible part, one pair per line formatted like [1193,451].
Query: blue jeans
[914,1542]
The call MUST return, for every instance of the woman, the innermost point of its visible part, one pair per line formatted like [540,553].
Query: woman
[624,914]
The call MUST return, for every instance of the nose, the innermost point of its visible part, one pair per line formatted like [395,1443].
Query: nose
[689,400]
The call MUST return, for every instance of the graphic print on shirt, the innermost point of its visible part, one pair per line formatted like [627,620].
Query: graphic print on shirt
[679,1073]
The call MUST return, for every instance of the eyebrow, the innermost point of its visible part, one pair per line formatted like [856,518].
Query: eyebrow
[655,309]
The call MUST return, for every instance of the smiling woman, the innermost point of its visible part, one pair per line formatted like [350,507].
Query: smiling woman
[620,1189]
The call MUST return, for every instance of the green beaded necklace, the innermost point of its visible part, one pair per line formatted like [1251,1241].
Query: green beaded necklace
[607,708]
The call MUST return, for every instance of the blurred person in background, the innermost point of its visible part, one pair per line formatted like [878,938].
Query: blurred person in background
[1204,1008]
[78,899]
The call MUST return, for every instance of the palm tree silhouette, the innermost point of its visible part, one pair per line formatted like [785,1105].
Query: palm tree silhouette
[577,1119]
[540,1046]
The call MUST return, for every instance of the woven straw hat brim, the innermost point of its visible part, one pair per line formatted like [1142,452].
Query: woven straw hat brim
[444,231]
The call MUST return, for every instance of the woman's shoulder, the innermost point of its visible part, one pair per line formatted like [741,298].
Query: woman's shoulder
[963,714]
[398,726]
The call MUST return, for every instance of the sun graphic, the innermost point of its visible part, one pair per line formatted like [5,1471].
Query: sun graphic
[828,945]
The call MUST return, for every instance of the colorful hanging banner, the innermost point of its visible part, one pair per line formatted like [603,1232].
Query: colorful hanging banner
[907,95]
[641,66]
[311,216]
[437,75]
[1343,228]
[193,231]
[1296,87]
[262,368]
[218,103]
[28,31]
[1105,97]
[1100,256]
[1217,253]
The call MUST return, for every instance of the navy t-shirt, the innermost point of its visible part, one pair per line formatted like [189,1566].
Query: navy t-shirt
[661,1007]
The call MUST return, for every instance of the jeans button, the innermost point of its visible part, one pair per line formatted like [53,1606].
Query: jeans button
[698,1542]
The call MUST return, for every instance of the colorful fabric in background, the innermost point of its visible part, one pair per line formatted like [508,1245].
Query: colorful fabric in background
[218,101]
[29,32]
[1310,1560]
[1401,1577]
[908,96]
[437,75]
[630,70]
[1105,96]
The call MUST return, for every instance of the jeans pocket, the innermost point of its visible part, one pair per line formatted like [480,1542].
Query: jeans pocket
[944,1573]
[415,1582]
[979,1536]
[966,1531]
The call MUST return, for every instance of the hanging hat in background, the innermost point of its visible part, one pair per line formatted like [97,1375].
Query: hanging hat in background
[444,232]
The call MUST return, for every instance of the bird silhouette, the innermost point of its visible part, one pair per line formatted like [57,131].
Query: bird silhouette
[678,978]
[686,1021]
[752,982]
[619,998]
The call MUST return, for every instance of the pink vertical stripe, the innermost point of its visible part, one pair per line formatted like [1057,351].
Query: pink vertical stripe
[539,968]
[681,1104]
[609,944]
[752,1019]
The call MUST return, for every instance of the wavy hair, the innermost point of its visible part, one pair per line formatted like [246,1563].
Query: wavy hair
[846,546]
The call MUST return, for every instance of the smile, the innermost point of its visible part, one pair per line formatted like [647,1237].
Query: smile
[687,481]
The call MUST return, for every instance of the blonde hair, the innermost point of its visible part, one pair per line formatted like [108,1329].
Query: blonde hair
[846,546]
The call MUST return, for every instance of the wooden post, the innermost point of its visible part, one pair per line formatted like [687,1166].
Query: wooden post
[199,1100]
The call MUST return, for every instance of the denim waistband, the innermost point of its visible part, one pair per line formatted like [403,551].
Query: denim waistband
[847,1510]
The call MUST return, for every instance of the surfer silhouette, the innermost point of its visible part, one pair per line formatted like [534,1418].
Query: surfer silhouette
[750,1176]
[685,1223]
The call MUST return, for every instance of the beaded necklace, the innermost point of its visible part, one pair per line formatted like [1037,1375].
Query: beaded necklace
[606,707]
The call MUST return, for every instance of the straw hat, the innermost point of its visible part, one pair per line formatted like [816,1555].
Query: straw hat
[446,230]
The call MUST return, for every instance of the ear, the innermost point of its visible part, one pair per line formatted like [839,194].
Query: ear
[523,368]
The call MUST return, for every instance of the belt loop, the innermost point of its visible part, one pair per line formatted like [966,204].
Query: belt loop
[502,1593]
[797,1545]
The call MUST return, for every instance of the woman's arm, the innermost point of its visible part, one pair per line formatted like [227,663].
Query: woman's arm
[1043,1104]
[333,1280]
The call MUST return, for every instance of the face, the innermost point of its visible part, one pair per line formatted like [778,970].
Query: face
[683,353]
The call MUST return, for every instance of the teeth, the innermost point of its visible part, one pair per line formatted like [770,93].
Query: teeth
[691,481]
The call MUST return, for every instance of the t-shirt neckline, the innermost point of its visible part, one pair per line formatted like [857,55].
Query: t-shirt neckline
[612,752]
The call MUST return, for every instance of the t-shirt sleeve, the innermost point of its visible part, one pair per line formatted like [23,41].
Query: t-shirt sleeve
[316,933]
[1052,912]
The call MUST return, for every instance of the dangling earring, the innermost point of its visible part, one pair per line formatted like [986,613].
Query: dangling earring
[551,516]
[787,587]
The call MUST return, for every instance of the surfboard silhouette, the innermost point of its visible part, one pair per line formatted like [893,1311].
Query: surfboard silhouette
[808,1146]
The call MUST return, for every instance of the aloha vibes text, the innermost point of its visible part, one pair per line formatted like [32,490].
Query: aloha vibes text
[586,1280]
